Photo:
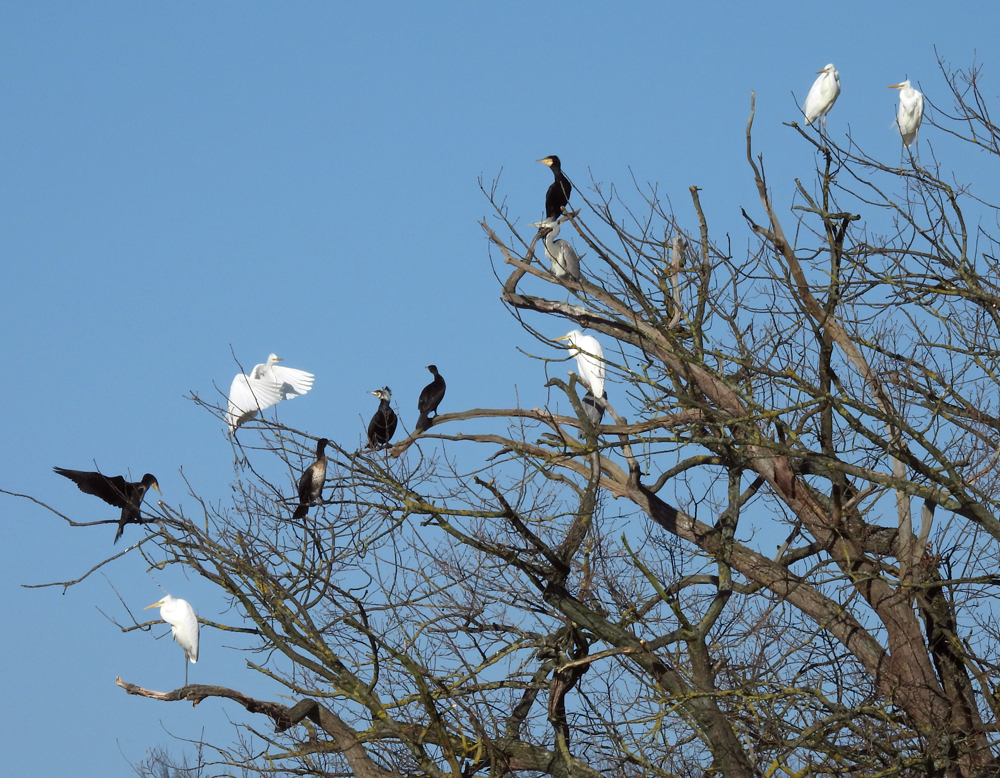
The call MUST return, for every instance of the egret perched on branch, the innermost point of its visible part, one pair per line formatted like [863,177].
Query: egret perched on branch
[114,490]
[562,256]
[311,482]
[266,385]
[558,193]
[911,111]
[383,424]
[183,624]
[430,398]
[589,360]
[822,95]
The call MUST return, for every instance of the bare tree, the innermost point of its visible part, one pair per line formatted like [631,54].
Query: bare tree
[774,555]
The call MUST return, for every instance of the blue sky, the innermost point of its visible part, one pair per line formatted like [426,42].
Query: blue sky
[182,179]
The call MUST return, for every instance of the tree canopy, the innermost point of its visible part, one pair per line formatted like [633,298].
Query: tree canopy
[774,554]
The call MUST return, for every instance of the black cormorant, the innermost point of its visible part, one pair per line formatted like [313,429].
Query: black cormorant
[559,191]
[430,398]
[593,409]
[311,482]
[383,424]
[114,490]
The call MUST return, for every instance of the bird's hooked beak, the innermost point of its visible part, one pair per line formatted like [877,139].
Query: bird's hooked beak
[376,392]
[546,161]
[154,605]
[156,486]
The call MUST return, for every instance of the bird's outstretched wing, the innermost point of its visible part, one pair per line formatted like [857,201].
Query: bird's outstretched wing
[247,396]
[113,490]
[291,382]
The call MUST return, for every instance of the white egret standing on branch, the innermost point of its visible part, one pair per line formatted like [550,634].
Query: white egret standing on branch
[911,111]
[183,624]
[562,256]
[589,360]
[822,95]
[114,490]
[266,385]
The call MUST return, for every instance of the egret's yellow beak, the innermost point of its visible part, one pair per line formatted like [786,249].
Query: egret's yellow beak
[154,605]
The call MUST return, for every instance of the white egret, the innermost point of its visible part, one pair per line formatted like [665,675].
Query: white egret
[911,112]
[822,95]
[430,398]
[562,256]
[383,424]
[559,190]
[114,490]
[183,625]
[589,360]
[266,385]
[311,482]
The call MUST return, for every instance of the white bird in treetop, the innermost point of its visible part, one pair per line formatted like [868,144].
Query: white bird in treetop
[822,95]
[266,385]
[589,360]
[911,111]
[183,624]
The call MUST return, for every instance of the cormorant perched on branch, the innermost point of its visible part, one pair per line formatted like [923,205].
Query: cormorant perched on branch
[558,195]
[430,398]
[266,385]
[593,409]
[562,256]
[311,482]
[114,490]
[383,424]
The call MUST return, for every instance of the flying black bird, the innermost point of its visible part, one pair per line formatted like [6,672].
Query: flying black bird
[114,490]
[430,398]
[311,482]
[559,191]
[383,424]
